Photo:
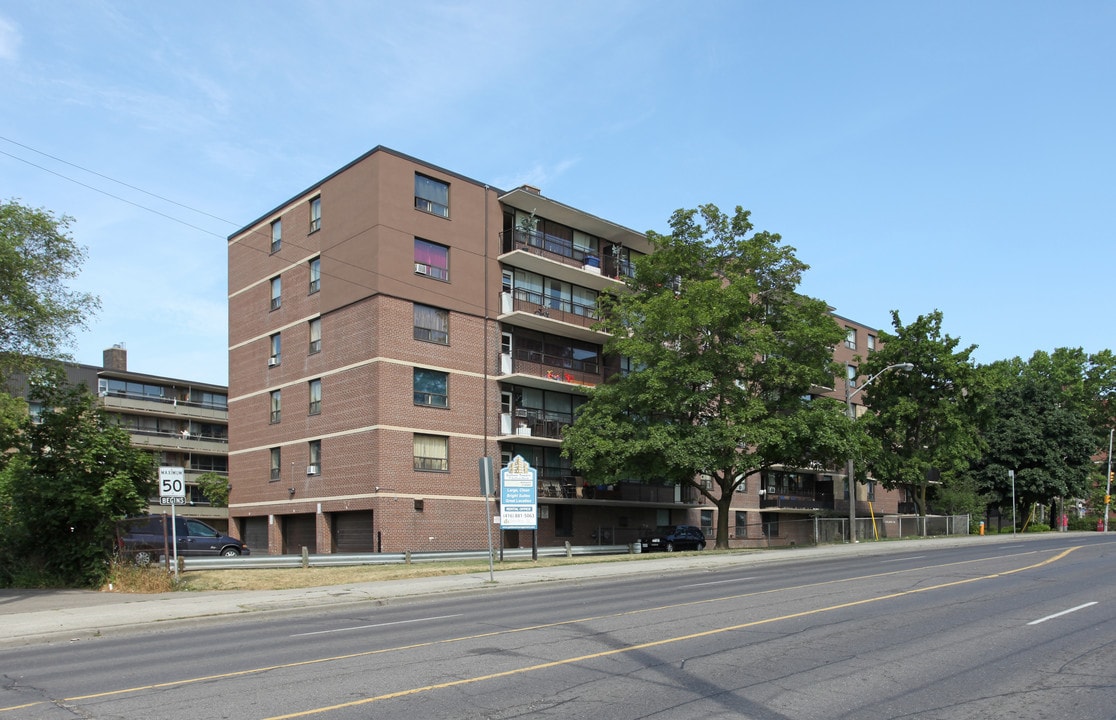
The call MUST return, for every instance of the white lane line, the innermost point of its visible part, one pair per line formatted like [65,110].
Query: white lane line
[1060,614]
[366,627]
[716,582]
[903,559]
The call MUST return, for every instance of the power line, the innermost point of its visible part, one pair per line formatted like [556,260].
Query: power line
[118,182]
[114,197]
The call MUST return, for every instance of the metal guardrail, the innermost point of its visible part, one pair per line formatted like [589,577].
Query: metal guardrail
[354,559]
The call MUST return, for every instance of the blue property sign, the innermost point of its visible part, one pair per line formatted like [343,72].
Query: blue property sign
[519,497]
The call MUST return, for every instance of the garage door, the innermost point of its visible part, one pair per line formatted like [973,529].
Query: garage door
[353,532]
[254,531]
[299,531]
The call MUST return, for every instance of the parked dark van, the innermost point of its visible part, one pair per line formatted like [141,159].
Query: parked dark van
[145,538]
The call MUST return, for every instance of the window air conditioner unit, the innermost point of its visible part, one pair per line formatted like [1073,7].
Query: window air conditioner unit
[521,412]
[421,269]
[311,469]
[273,360]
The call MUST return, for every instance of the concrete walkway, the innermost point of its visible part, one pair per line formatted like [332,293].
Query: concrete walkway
[30,616]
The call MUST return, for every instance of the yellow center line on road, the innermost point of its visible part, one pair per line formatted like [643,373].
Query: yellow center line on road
[657,643]
[545,626]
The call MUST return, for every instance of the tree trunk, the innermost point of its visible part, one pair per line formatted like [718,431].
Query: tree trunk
[723,504]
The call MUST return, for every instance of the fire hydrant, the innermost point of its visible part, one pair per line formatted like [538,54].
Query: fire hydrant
[981,527]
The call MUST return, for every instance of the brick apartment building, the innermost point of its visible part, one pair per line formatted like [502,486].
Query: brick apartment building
[396,322]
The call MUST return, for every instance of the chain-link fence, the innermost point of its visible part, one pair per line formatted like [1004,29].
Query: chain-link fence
[818,530]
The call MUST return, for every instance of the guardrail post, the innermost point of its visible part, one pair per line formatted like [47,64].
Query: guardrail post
[305,557]
[407,557]
[569,550]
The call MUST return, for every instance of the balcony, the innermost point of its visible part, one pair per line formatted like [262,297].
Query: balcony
[770,501]
[156,440]
[528,425]
[534,369]
[149,405]
[567,488]
[524,308]
[559,258]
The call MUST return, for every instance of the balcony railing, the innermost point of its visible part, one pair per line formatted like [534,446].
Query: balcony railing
[564,370]
[539,423]
[564,251]
[797,502]
[566,488]
[563,310]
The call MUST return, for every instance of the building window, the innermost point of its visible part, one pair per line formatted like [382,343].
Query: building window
[276,350]
[276,407]
[315,275]
[276,235]
[431,195]
[276,292]
[432,453]
[431,324]
[431,388]
[276,464]
[316,396]
[707,522]
[850,338]
[431,259]
[315,455]
[741,530]
[850,375]
[871,342]
[315,336]
[316,214]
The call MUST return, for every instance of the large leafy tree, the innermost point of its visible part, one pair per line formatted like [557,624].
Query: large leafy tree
[1041,427]
[71,473]
[924,422]
[38,312]
[722,354]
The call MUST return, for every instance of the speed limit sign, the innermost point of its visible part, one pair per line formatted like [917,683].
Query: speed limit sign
[172,482]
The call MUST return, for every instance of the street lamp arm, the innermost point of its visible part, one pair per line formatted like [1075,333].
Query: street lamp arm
[850,393]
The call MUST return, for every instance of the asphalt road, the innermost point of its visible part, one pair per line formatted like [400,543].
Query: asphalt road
[1021,630]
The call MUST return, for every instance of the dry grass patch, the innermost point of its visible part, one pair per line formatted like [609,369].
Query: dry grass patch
[287,578]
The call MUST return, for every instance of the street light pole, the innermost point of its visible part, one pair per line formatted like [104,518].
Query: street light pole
[850,393]
[1108,482]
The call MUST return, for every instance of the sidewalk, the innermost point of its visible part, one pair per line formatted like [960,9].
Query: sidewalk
[30,616]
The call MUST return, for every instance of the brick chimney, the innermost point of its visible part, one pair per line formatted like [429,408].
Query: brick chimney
[116,358]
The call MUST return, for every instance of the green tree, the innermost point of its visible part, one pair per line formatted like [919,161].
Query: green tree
[924,422]
[38,313]
[71,475]
[722,353]
[1039,427]
[215,487]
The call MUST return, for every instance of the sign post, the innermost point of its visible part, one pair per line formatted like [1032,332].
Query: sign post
[485,467]
[172,491]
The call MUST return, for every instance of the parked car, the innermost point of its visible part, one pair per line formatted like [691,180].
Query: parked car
[146,537]
[679,537]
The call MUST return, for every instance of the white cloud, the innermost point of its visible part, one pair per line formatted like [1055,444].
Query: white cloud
[10,40]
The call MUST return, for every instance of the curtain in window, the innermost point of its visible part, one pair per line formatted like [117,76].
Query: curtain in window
[433,319]
[430,254]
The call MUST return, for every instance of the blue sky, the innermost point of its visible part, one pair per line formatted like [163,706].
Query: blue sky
[958,156]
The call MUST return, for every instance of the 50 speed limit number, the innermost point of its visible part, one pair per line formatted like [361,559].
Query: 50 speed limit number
[172,482]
